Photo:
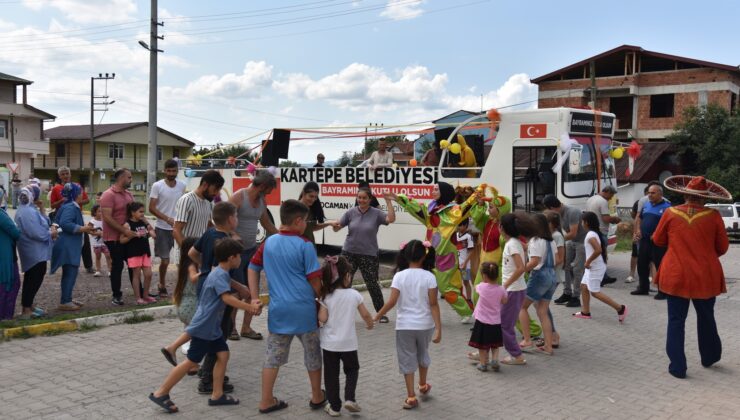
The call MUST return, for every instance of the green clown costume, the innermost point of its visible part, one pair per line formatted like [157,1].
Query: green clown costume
[441,218]
[492,241]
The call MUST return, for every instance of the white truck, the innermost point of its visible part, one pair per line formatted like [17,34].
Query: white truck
[517,159]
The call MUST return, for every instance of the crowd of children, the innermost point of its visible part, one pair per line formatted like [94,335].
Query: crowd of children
[317,305]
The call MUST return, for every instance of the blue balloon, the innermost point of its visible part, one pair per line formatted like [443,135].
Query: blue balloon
[189,173]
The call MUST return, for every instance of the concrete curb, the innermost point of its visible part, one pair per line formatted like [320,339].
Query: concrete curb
[92,321]
[117,318]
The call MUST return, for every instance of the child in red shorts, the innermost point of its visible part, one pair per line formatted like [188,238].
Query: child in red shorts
[138,253]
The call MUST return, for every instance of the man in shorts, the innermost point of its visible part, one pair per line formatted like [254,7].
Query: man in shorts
[290,262]
[162,201]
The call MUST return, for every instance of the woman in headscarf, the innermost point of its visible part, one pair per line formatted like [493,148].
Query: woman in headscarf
[441,218]
[316,220]
[691,271]
[9,278]
[67,249]
[34,248]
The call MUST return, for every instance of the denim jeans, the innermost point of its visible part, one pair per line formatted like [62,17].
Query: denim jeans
[69,278]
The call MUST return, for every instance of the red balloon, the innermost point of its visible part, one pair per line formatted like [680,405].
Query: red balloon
[413,163]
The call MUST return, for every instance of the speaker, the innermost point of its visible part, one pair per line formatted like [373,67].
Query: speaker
[281,142]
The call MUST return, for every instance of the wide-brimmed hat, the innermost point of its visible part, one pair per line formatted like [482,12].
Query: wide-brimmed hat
[697,186]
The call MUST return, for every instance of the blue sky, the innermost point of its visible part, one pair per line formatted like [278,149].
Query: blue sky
[232,69]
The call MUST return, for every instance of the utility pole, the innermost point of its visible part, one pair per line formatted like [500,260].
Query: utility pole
[151,173]
[592,70]
[105,103]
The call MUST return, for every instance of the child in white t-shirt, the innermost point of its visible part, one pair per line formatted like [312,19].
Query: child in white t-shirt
[338,335]
[418,322]
[512,267]
[465,247]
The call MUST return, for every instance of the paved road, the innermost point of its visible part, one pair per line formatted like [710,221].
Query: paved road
[602,370]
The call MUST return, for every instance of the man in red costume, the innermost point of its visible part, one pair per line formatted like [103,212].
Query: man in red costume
[691,271]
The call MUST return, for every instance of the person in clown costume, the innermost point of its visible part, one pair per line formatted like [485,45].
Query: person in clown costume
[486,214]
[441,218]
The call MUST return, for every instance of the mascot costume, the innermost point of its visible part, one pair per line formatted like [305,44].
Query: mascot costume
[441,218]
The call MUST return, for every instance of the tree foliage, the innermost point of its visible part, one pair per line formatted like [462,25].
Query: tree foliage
[708,143]
[285,163]
[345,160]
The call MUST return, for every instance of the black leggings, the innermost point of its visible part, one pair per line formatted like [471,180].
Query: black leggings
[331,376]
[368,266]
[32,280]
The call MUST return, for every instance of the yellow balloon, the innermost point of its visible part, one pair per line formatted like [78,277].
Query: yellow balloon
[455,149]
[444,144]
[617,153]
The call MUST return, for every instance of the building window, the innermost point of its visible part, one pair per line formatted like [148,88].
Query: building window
[159,152]
[60,150]
[115,151]
[661,106]
[4,129]
[175,152]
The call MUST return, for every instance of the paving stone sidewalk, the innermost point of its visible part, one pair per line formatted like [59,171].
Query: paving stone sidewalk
[602,370]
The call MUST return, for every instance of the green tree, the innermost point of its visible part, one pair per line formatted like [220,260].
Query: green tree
[708,143]
[345,160]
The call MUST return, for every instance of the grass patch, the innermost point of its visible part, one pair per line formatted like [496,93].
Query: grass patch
[138,318]
[87,327]
[624,243]
[67,316]
[53,332]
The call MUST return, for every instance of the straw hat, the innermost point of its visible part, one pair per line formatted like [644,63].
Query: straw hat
[697,186]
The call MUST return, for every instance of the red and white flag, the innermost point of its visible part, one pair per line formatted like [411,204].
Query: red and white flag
[533,131]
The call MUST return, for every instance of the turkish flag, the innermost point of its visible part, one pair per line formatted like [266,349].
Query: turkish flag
[533,131]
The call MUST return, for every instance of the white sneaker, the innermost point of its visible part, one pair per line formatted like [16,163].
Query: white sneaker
[97,274]
[466,320]
[629,279]
[352,407]
[331,412]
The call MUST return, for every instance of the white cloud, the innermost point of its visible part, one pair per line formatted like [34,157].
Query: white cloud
[402,9]
[360,86]
[516,89]
[89,11]
[256,76]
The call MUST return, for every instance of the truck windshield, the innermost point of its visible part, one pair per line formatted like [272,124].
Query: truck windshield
[580,170]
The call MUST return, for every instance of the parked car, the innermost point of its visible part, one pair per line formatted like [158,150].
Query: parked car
[731,215]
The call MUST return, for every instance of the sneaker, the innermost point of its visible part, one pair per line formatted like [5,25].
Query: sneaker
[639,292]
[68,307]
[493,364]
[481,367]
[660,296]
[207,387]
[117,301]
[573,303]
[352,407]
[466,320]
[96,274]
[331,412]
[608,280]
[582,315]
[623,315]
[629,279]
[562,300]
[90,270]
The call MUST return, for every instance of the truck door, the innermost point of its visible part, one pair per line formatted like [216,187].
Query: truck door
[532,177]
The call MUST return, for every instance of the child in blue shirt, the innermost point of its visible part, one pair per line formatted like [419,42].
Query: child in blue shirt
[205,328]
[294,276]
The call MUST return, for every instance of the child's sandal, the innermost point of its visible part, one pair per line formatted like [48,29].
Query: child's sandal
[410,402]
[424,389]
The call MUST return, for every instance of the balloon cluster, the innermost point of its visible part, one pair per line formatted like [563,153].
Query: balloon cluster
[195,160]
[617,153]
[454,148]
